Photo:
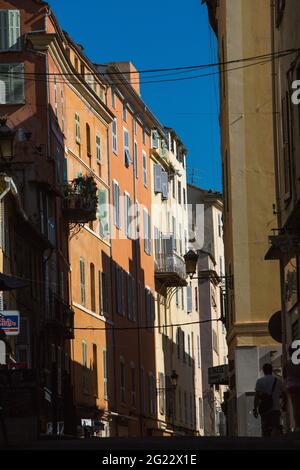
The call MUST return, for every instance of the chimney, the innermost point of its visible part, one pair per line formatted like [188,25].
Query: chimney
[127,68]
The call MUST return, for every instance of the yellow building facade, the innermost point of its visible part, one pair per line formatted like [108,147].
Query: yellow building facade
[243,29]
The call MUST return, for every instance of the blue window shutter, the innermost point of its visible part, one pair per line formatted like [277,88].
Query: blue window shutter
[118,213]
[149,234]
[157,178]
[165,184]
[126,214]
[145,221]
[189,299]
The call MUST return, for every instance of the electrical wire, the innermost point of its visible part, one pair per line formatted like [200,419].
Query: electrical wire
[149,327]
[169,69]
[126,82]
[147,82]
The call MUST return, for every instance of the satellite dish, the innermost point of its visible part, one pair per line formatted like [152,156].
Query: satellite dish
[275,327]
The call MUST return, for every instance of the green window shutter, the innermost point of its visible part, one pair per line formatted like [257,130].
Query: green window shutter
[103,214]
[82,281]
[14,30]
[4,30]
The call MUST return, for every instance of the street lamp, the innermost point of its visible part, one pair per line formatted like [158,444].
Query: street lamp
[191,258]
[7,137]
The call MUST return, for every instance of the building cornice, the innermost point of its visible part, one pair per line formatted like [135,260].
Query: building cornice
[51,42]
[246,329]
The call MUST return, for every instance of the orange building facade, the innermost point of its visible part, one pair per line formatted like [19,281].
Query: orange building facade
[89,136]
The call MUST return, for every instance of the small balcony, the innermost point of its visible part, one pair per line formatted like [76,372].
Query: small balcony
[170,269]
[80,200]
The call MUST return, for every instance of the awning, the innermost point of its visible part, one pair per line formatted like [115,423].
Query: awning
[11,283]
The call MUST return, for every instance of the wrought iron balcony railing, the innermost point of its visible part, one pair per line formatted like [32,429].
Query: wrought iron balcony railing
[80,200]
[170,269]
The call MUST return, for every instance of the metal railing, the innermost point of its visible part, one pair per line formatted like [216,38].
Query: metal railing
[170,263]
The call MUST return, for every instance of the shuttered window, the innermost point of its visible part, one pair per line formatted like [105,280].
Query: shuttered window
[116,202]
[77,128]
[151,394]
[154,137]
[157,178]
[10,30]
[114,136]
[147,232]
[128,216]
[144,158]
[103,300]
[103,213]
[162,395]
[62,111]
[165,185]
[189,299]
[12,83]
[82,282]
[127,157]
[105,369]
[179,192]
[174,233]
[199,351]
[135,158]
[85,386]
[98,148]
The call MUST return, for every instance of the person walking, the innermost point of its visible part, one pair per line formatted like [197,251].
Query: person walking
[269,391]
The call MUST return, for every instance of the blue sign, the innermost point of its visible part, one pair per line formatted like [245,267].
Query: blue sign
[10,322]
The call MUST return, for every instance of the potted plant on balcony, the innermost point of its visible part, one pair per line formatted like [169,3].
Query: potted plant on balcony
[80,198]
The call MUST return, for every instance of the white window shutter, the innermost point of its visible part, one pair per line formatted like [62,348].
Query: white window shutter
[17,84]
[2,92]
[14,30]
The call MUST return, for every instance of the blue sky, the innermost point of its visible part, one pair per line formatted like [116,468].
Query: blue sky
[163,33]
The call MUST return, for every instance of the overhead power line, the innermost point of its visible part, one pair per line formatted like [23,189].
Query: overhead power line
[21,74]
[149,327]
[171,69]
